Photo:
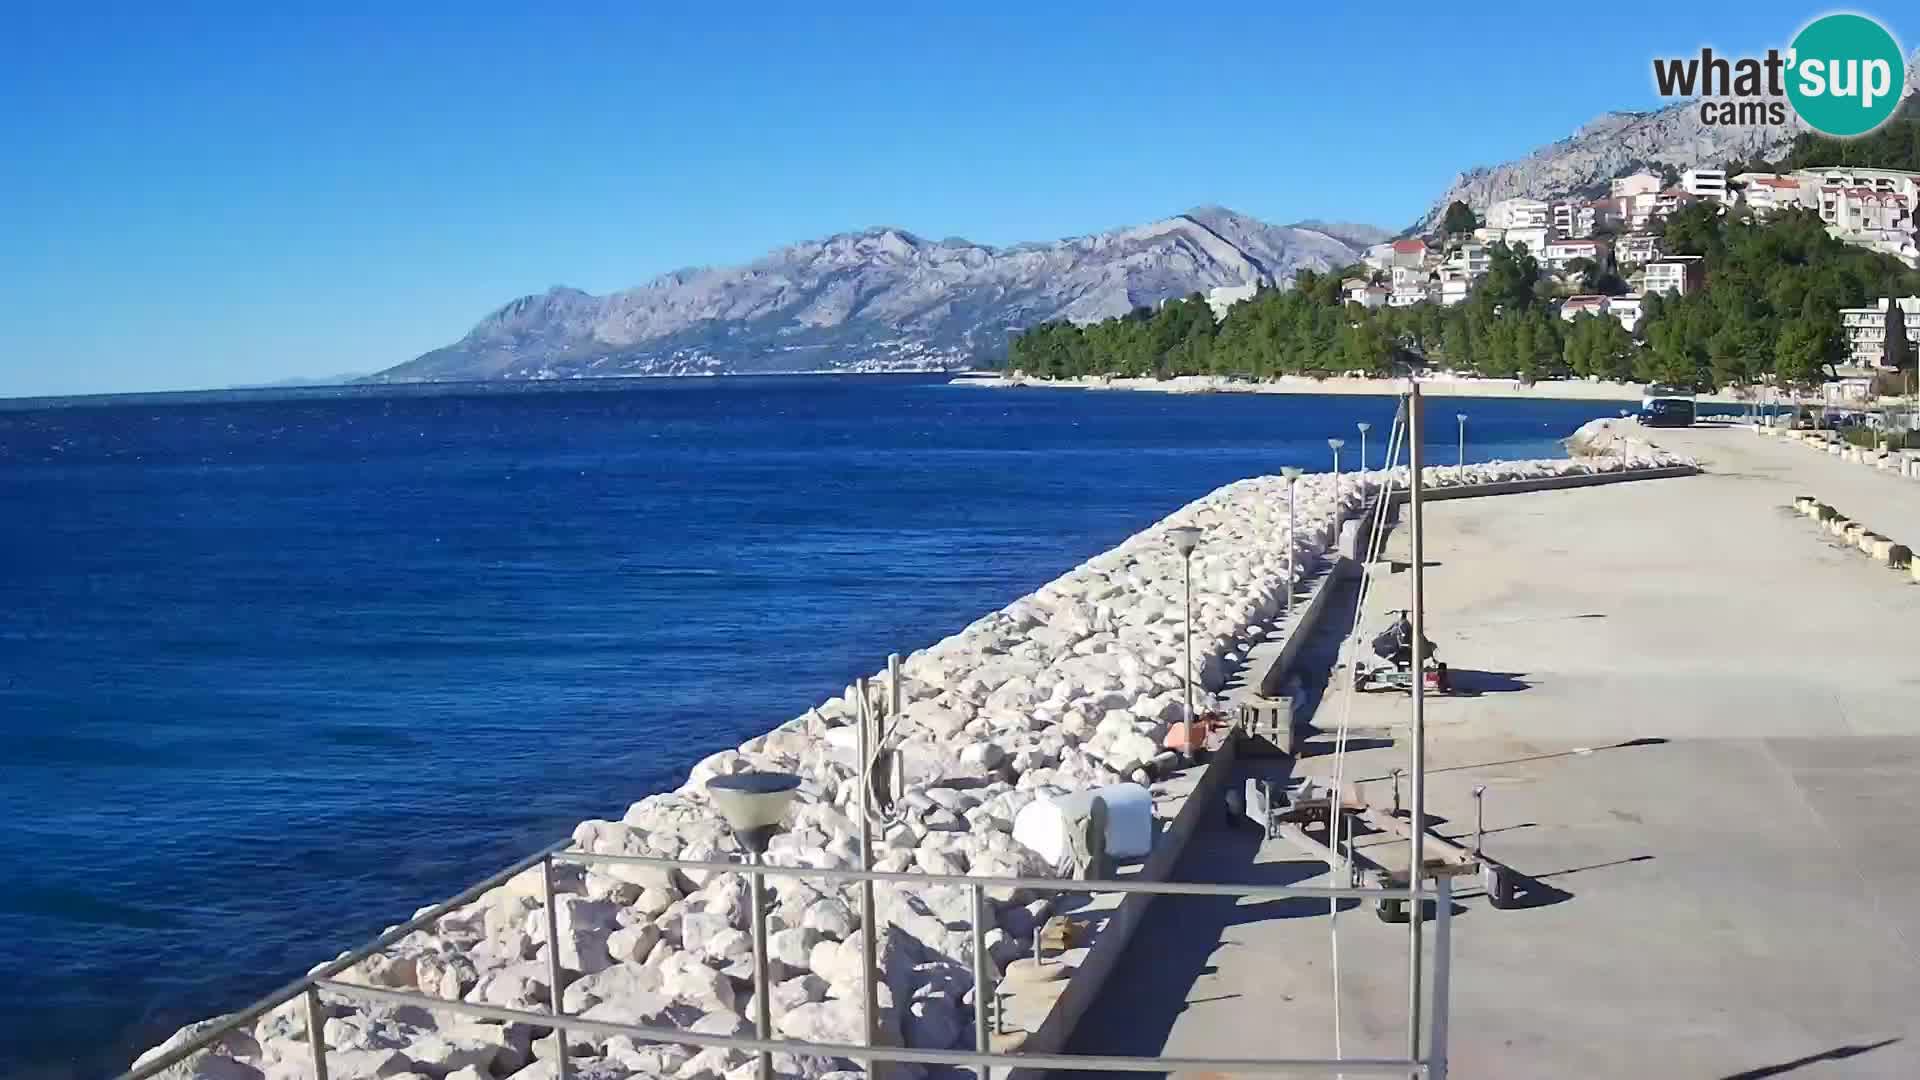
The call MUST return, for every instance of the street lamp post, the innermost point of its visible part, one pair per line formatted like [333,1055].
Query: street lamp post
[754,804]
[1335,445]
[1186,538]
[1293,478]
[1364,428]
[1462,417]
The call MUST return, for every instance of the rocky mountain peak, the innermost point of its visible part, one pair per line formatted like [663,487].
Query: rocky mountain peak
[878,298]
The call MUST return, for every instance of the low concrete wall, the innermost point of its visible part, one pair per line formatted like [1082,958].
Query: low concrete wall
[1090,976]
[1548,483]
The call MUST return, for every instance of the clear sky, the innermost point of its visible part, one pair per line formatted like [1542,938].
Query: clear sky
[218,196]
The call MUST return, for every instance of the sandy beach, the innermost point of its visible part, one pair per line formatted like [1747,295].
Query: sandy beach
[1439,386]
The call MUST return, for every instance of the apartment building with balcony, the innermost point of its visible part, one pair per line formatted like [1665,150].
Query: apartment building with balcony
[1705,184]
[1560,254]
[1638,248]
[1520,214]
[1866,330]
[1675,274]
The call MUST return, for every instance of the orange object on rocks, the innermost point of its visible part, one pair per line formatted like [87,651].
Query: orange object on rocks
[1204,727]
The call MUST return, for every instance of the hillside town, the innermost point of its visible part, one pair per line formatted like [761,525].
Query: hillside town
[1616,239]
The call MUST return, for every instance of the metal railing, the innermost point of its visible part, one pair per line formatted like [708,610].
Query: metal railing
[762,1043]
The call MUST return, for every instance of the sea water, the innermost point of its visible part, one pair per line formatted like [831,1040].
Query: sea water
[276,669]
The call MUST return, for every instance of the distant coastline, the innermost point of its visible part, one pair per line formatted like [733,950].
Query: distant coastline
[1432,385]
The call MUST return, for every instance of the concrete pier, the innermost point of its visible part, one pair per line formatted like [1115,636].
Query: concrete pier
[1697,720]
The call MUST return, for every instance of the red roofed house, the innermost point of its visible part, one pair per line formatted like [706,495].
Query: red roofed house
[1410,252]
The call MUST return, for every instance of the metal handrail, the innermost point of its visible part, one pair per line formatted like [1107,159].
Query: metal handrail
[1111,885]
[323,976]
[1096,1062]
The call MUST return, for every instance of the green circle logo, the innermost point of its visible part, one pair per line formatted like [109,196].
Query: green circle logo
[1846,75]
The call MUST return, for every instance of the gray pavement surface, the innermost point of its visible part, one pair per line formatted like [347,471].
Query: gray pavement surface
[1698,723]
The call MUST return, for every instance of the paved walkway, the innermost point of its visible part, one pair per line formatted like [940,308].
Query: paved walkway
[1698,722]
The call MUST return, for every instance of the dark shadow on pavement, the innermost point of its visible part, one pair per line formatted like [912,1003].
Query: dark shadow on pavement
[1177,941]
[1838,1053]
[1470,683]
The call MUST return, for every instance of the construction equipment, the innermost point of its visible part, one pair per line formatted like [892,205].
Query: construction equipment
[1394,647]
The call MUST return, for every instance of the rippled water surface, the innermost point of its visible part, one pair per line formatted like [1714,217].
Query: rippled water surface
[276,670]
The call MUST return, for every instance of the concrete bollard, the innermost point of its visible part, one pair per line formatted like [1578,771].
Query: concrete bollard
[1852,533]
[1870,543]
[1837,526]
[1913,568]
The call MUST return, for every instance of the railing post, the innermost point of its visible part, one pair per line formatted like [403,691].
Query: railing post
[869,941]
[316,1038]
[554,986]
[982,981]
[762,998]
[1442,969]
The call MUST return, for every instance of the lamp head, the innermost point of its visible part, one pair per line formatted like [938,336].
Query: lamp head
[754,803]
[1185,538]
[1291,472]
[1335,444]
[1365,427]
[1460,416]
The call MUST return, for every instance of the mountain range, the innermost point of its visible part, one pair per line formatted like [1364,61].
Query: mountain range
[882,299]
[1618,143]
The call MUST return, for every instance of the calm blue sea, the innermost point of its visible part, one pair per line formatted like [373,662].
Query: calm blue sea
[277,669]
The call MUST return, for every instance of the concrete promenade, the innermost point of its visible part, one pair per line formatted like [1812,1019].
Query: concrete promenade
[1698,724]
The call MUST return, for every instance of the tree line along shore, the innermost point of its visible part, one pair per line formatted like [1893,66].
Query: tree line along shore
[1768,313]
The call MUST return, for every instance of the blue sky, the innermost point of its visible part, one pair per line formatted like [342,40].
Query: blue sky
[218,197]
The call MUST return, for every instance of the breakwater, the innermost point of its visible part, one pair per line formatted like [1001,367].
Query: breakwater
[1070,687]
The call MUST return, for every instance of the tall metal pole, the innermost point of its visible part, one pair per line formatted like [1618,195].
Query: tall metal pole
[1292,482]
[1416,857]
[1364,428]
[1462,417]
[762,984]
[1187,625]
[869,943]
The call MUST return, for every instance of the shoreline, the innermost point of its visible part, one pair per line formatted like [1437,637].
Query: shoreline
[1070,687]
[1433,386]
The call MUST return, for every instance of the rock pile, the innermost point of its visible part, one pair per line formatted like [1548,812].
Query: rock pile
[1598,441]
[1071,687]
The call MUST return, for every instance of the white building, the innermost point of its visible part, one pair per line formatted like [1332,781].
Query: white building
[1638,248]
[1468,262]
[1379,256]
[1520,214]
[1626,309]
[1409,295]
[1560,254]
[1866,330]
[1455,291]
[1705,183]
[1534,239]
[1626,187]
[1587,304]
[1768,193]
[1878,180]
[1365,293]
[1681,274]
